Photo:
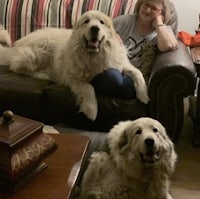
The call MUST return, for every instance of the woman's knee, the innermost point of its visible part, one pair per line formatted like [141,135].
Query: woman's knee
[114,84]
[111,77]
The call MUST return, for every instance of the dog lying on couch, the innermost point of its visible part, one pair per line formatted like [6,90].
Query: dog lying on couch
[74,57]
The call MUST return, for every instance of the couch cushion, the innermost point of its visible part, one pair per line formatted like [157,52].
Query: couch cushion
[21,94]
[60,105]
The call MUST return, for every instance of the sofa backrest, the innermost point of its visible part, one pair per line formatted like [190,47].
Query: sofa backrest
[112,8]
[20,17]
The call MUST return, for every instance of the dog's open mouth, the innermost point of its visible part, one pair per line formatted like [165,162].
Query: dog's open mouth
[150,156]
[93,45]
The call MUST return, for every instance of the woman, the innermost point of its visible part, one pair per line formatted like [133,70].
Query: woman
[146,26]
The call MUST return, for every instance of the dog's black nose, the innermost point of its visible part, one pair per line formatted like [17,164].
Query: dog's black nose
[149,142]
[94,29]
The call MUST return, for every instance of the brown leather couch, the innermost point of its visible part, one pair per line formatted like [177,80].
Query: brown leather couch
[172,79]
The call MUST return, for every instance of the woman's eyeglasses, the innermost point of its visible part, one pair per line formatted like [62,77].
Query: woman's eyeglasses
[154,9]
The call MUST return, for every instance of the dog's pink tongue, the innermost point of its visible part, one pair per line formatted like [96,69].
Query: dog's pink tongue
[93,44]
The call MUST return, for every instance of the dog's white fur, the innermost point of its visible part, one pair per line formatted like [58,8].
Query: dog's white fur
[73,57]
[139,164]
[5,39]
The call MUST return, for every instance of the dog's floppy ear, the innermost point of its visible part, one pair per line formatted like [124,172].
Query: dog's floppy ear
[118,137]
[172,157]
[169,149]
[126,137]
[110,24]
[80,21]
[76,25]
[123,143]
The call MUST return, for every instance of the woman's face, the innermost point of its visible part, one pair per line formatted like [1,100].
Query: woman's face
[149,10]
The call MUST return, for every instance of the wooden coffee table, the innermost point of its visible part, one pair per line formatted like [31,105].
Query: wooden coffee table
[58,180]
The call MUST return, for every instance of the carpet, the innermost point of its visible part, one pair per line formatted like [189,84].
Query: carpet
[186,179]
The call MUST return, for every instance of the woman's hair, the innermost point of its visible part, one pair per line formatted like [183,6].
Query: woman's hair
[165,4]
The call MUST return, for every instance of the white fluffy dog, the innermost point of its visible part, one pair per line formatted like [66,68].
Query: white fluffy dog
[139,164]
[74,57]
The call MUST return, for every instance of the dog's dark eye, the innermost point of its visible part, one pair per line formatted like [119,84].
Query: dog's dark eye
[102,22]
[138,132]
[87,21]
[155,130]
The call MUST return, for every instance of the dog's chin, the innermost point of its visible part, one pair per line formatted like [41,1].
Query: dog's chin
[93,45]
[150,157]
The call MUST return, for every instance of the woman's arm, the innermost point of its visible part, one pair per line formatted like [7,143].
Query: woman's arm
[165,37]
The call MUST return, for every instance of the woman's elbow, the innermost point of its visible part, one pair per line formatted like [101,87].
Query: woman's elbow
[169,46]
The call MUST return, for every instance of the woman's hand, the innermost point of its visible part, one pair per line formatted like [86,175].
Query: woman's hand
[166,39]
[158,20]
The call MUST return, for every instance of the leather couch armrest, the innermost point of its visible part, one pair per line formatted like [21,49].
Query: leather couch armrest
[173,77]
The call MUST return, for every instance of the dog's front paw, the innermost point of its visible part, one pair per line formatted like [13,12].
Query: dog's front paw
[142,95]
[41,75]
[90,110]
[143,98]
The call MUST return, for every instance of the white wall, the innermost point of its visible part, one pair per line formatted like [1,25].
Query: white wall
[188,14]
